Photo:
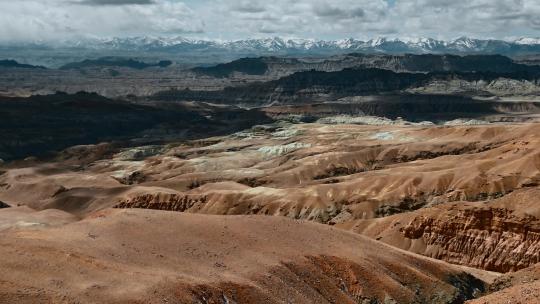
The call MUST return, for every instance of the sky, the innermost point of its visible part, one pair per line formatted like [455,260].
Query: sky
[38,20]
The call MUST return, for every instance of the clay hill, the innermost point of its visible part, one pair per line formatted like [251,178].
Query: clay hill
[517,287]
[314,212]
[121,256]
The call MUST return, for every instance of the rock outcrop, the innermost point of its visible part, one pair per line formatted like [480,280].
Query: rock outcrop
[318,86]
[167,202]
[488,238]
[500,235]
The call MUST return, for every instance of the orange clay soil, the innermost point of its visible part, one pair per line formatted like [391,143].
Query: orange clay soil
[143,256]
[466,195]
[323,173]
[500,235]
[522,287]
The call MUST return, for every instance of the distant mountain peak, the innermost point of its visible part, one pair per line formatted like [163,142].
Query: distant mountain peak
[281,46]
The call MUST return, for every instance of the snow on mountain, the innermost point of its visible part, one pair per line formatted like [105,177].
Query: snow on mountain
[527,41]
[462,45]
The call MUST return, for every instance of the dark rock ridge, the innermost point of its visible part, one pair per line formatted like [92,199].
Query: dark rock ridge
[114,62]
[302,86]
[249,66]
[444,63]
[412,107]
[15,64]
[38,124]
[313,86]
[3,205]
[397,63]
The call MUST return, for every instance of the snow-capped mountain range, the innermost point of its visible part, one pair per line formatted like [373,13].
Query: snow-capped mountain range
[280,45]
[187,50]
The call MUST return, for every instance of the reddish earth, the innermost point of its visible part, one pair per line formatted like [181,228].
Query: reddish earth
[139,256]
[520,294]
[464,195]
[518,287]
[314,172]
[500,235]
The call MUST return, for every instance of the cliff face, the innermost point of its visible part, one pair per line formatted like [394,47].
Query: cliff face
[168,202]
[305,87]
[280,66]
[488,238]
[317,86]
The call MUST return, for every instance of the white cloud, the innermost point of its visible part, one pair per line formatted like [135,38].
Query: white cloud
[114,2]
[25,20]
[230,19]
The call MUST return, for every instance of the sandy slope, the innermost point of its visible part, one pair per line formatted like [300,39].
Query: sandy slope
[527,293]
[24,217]
[522,287]
[152,256]
[462,194]
[311,171]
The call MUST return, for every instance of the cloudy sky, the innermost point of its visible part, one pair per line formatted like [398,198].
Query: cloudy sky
[30,20]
